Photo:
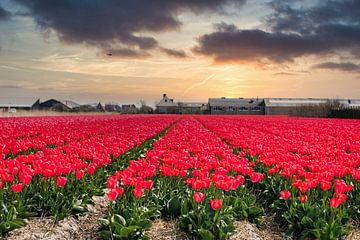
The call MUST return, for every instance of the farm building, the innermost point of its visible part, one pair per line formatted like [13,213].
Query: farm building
[247,106]
[191,107]
[13,105]
[129,108]
[112,107]
[57,105]
[290,106]
[167,105]
[287,106]
[350,103]
[94,107]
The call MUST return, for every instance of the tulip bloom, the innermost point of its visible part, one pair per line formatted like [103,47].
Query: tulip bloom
[303,198]
[25,178]
[91,169]
[325,185]
[285,194]
[215,204]
[112,182]
[61,181]
[256,177]
[79,174]
[119,191]
[17,187]
[112,195]
[334,202]
[138,192]
[199,197]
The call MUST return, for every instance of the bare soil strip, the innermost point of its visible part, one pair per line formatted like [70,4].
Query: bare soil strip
[74,227]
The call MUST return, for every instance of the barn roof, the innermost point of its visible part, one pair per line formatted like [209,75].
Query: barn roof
[69,103]
[293,102]
[166,102]
[235,102]
[193,104]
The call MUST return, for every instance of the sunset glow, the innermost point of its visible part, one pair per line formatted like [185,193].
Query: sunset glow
[131,50]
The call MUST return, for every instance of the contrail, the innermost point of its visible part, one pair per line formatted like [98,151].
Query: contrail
[199,83]
[205,80]
[14,68]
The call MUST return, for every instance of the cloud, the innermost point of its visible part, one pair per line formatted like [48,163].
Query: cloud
[115,24]
[234,45]
[293,30]
[345,66]
[4,14]
[174,53]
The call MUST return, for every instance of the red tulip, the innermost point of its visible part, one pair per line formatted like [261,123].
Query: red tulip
[303,198]
[112,195]
[61,181]
[112,182]
[285,194]
[138,192]
[199,196]
[215,204]
[119,191]
[325,185]
[256,177]
[25,178]
[79,174]
[334,202]
[17,187]
[147,184]
[91,169]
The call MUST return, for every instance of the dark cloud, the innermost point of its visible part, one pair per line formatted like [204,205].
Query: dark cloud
[346,66]
[174,53]
[231,44]
[4,14]
[295,30]
[114,23]
[294,17]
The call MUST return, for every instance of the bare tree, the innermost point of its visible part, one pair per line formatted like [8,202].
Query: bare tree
[144,108]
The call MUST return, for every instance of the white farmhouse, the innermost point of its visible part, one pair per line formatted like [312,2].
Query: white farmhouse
[166,105]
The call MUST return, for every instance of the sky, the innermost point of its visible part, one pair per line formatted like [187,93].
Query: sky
[124,51]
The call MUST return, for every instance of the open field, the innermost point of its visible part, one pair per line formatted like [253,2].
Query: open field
[179,177]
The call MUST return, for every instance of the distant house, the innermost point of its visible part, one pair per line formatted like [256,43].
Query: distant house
[350,103]
[94,107]
[128,108]
[13,105]
[290,106]
[192,107]
[112,107]
[248,106]
[57,105]
[166,105]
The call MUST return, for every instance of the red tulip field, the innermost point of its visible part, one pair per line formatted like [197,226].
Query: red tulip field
[204,172]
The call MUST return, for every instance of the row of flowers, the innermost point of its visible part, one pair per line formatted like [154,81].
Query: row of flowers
[205,171]
[312,164]
[49,165]
[191,175]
